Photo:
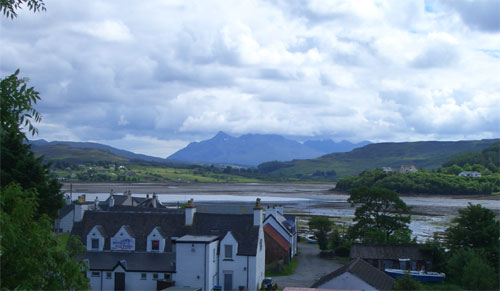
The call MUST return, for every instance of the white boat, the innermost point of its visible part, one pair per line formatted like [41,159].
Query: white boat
[311,239]
[421,276]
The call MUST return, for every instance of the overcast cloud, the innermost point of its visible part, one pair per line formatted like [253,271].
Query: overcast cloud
[152,76]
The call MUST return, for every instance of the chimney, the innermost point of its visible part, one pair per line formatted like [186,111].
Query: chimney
[96,202]
[153,201]
[81,199]
[68,200]
[111,201]
[257,213]
[189,211]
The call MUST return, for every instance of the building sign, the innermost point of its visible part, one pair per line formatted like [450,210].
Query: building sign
[122,244]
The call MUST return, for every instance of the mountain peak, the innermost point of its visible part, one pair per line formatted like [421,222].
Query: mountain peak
[221,134]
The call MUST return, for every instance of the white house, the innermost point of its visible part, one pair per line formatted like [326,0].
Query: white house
[131,248]
[284,224]
[470,174]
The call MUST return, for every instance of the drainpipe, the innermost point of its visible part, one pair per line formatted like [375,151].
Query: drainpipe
[247,271]
[101,280]
[205,269]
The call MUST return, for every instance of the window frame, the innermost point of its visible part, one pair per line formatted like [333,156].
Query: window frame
[109,275]
[95,274]
[156,276]
[144,276]
[92,241]
[153,245]
[228,255]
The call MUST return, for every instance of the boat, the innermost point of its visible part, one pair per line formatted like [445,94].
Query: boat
[421,276]
[311,239]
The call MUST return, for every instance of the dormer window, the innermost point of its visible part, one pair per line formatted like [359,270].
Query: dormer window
[155,245]
[95,238]
[156,240]
[95,243]
[123,240]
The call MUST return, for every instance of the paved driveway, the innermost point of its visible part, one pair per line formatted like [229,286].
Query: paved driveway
[309,269]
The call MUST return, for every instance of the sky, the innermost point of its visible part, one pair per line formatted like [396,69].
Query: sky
[152,76]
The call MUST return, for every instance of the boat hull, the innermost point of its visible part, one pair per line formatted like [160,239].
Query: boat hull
[417,276]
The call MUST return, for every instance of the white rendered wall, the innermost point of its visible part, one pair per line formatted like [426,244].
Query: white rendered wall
[193,265]
[155,235]
[66,223]
[133,280]
[238,265]
[257,266]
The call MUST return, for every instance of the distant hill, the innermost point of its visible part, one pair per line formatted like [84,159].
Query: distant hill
[37,144]
[425,154]
[67,153]
[248,150]
[328,146]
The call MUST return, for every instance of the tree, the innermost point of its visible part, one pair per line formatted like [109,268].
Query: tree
[322,225]
[18,163]
[9,7]
[407,283]
[30,255]
[477,228]
[381,213]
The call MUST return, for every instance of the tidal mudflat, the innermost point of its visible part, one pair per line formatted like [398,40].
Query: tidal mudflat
[429,213]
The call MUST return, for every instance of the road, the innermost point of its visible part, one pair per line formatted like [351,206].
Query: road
[309,269]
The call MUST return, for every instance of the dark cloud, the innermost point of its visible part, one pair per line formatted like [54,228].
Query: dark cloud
[481,15]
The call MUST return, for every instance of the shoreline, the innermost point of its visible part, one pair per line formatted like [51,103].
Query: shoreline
[318,190]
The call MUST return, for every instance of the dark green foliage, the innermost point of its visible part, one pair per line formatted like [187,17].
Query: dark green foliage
[381,216]
[344,249]
[489,158]
[476,227]
[31,258]
[18,163]
[407,283]
[322,225]
[9,7]
[422,182]
[478,275]
[16,104]
[436,251]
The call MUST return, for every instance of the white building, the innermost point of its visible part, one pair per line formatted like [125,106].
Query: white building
[470,174]
[130,248]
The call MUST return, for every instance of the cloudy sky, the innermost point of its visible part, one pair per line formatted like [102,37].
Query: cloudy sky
[152,76]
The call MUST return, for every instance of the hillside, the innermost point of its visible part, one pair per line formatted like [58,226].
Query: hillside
[36,144]
[248,150]
[328,146]
[425,154]
[69,154]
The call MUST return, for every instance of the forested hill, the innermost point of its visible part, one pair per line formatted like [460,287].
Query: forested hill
[425,154]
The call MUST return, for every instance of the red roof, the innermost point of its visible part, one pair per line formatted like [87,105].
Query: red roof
[276,237]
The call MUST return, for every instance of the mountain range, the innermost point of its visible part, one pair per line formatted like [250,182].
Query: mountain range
[254,149]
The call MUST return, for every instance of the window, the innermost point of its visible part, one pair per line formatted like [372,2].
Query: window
[155,276]
[155,245]
[95,243]
[228,251]
[108,275]
[96,274]
[143,276]
[260,244]
[167,277]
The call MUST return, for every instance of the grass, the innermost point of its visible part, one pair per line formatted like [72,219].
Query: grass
[62,241]
[288,269]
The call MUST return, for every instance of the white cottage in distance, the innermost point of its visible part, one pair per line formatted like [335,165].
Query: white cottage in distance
[130,248]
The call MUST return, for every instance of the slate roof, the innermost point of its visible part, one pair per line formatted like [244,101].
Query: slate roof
[148,203]
[142,261]
[364,271]
[66,210]
[172,225]
[272,216]
[387,252]
[269,230]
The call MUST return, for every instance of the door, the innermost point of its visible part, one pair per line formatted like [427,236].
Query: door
[228,281]
[119,281]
